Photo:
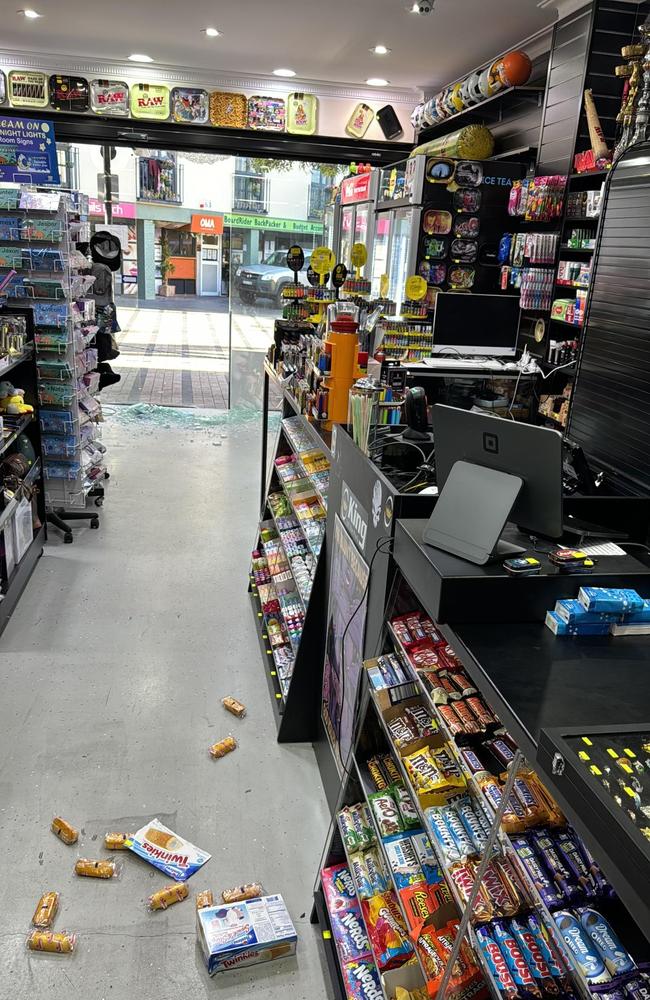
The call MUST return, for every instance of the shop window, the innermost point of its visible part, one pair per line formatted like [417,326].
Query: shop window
[160,177]
[180,243]
[320,195]
[251,188]
[68,160]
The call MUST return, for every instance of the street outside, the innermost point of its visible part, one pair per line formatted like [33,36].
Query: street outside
[174,353]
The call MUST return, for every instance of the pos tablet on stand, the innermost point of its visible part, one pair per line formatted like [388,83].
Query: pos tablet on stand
[490,471]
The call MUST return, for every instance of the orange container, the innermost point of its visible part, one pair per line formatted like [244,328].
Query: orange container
[342,344]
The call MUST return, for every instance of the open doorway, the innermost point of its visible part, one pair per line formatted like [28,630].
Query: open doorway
[204,239]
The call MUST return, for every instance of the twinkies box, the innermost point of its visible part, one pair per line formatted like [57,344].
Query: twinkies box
[167,850]
[236,934]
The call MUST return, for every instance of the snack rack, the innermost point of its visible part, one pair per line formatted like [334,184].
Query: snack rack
[45,228]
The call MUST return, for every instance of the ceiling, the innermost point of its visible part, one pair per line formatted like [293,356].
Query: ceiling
[326,42]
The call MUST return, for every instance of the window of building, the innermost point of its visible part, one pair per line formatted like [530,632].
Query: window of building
[160,177]
[320,194]
[251,188]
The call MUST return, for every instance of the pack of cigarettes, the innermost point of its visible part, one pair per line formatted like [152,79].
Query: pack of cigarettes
[560,627]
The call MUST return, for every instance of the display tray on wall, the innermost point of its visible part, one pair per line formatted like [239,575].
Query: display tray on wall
[69,93]
[27,90]
[302,110]
[190,105]
[228,110]
[150,100]
[109,97]
[267,113]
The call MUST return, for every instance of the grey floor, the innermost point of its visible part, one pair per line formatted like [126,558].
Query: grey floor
[111,675]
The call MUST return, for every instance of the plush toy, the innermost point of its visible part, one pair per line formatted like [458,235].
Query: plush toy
[12,400]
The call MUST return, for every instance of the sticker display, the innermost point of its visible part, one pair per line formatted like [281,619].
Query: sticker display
[228,110]
[27,90]
[436,222]
[190,105]
[302,110]
[467,200]
[150,100]
[467,228]
[464,251]
[109,97]
[461,277]
[440,171]
[435,248]
[266,113]
[360,121]
[469,173]
[69,93]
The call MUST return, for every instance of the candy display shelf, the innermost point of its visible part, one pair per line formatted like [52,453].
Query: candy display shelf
[284,501]
[584,682]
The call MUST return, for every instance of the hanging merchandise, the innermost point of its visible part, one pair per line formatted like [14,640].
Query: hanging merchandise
[463,251]
[469,174]
[109,97]
[190,105]
[474,142]
[360,121]
[27,90]
[467,200]
[435,248]
[440,171]
[150,100]
[467,228]
[302,111]
[69,93]
[266,113]
[228,110]
[436,222]
[538,199]
[460,277]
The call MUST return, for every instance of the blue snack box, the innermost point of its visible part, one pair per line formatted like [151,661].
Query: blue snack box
[609,599]
[574,613]
[232,935]
[559,627]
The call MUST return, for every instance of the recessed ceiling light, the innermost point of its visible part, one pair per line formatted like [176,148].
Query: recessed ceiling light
[212,32]
[140,57]
[29,13]
[284,72]
[377,81]
[380,50]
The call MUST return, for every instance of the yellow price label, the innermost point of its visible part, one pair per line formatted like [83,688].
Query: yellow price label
[585,739]
[383,286]
[416,288]
[612,753]
[595,770]
[630,753]
[626,767]
[358,254]
[583,755]
[327,935]
[322,260]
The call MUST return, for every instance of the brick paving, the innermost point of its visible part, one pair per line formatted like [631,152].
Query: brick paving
[180,357]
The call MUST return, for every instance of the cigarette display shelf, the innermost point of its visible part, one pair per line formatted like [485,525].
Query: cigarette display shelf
[538,683]
[295,699]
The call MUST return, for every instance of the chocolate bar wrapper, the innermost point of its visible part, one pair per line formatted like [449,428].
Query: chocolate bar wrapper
[617,959]
[387,931]
[441,835]
[471,824]
[585,954]
[361,876]
[421,720]
[379,877]
[515,960]
[350,934]
[534,957]
[504,902]
[408,812]
[574,861]
[403,861]
[427,858]
[386,813]
[464,876]
[338,887]
[402,732]
[391,769]
[380,780]
[552,859]
[419,904]
[432,960]
[497,965]
[537,872]
[361,980]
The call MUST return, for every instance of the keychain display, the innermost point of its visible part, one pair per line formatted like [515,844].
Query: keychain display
[228,110]
[436,222]
[460,277]
[28,90]
[190,105]
[302,111]
[150,100]
[469,173]
[467,228]
[467,200]
[69,93]
[267,113]
[109,97]
[464,251]
[440,171]
[435,248]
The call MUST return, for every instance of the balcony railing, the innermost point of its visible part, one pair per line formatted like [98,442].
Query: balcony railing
[160,180]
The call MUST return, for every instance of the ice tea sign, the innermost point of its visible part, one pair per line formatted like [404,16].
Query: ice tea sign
[28,151]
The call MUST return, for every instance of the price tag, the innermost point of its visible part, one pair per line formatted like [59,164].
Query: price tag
[295,258]
[416,288]
[358,254]
[339,275]
[322,260]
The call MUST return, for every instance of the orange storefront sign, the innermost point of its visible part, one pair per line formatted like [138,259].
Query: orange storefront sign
[207,225]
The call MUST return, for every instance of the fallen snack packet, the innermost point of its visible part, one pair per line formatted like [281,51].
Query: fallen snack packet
[168,852]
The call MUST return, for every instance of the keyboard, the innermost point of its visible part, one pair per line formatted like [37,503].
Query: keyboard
[439,361]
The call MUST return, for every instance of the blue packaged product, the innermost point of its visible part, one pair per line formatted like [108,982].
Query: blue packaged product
[376,678]
[361,876]
[585,954]
[403,860]
[537,872]
[560,627]
[471,824]
[640,616]
[497,965]
[362,980]
[614,955]
[637,988]
[610,599]
[515,960]
[548,951]
[427,857]
[457,829]
[387,671]
[442,835]
[571,855]
[379,879]
[602,885]
[534,958]
[349,934]
[574,613]
[551,858]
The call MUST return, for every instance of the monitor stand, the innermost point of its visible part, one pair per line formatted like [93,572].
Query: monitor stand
[472,510]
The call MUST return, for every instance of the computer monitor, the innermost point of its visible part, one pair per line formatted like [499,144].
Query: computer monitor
[489,471]
[476,325]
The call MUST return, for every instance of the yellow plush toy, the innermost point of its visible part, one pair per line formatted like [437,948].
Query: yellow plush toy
[12,400]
